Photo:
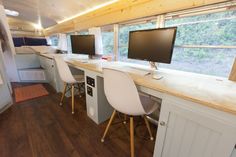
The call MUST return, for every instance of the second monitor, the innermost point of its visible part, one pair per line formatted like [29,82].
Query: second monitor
[154,45]
[83,44]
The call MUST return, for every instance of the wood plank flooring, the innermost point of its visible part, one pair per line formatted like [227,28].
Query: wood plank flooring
[41,128]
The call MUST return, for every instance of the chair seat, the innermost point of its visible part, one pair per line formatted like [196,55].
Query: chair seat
[149,105]
[79,78]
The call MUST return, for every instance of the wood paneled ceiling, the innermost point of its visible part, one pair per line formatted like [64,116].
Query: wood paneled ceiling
[50,12]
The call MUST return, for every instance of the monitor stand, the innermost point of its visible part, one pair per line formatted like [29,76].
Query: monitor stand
[154,69]
[90,56]
[96,56]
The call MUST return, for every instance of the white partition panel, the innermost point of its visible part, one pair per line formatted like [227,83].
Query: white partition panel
[9,50]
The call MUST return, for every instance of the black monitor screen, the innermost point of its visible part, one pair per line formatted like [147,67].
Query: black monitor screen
[154,45]
[83,44]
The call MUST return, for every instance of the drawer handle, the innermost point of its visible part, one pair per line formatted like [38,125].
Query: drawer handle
[162,123]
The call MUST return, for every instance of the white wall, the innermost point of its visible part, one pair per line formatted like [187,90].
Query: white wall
[9,52]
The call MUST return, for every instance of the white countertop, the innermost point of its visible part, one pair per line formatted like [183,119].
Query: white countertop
[214,92]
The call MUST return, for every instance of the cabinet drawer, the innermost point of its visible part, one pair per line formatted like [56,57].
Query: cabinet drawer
[46,63]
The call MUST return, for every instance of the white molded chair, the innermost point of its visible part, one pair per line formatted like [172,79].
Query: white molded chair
[68,79]
[123,96]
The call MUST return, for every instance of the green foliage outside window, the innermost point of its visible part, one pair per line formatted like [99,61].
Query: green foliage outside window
[54,40]
[209,29]
[216,29]
[108,42]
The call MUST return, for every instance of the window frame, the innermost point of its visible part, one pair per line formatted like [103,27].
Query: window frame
[54,36]
[203,11]
[161,19]
[109,29]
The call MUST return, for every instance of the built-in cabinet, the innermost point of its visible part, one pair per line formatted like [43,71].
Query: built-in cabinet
[50,71]
[187,129]
[28,67]
[98,108]
[52,75]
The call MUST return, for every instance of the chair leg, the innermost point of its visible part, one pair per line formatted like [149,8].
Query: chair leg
[125,118]
[73,97]
[79,89]
[131,136]
[108,125]
[148,127]
[63,94]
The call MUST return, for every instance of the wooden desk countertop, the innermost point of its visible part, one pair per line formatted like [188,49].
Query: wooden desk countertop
[214,92]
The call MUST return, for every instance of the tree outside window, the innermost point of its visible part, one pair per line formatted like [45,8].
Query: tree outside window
[108,40]
[204,44]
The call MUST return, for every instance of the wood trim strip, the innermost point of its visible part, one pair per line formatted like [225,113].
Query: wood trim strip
[232,75]
[207,46]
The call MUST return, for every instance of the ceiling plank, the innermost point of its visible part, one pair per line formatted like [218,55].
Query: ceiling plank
[50,12]
[125,10]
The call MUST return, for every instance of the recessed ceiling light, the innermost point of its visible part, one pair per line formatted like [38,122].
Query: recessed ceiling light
[11,12]
[89,10]
[38,26]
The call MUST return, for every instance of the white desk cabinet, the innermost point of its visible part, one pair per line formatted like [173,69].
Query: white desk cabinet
[98,108]
[5,92]
[187,129]
[5,95]
[50,71]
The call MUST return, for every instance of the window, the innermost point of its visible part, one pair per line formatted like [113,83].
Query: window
[204,44]
[83,32]
[69,48]
[54,40]
[108,40]
[124,38]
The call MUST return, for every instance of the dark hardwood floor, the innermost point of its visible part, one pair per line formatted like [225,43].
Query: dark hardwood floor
[41,128]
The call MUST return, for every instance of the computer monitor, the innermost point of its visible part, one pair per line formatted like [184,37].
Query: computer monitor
[154,45]
[83,44]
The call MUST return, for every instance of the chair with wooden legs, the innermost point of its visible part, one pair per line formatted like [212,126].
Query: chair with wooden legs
[69,80]
[123,96]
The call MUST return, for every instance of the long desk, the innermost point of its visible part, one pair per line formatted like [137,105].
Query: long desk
[217,93]
[198,112]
